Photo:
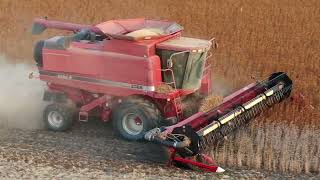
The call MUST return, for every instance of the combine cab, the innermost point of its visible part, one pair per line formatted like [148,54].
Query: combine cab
[135,72]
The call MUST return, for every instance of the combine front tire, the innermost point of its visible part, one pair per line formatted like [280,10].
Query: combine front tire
[58,117]
[134,117]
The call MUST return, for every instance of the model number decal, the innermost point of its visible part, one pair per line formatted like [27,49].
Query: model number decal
[63,76]
[136,86]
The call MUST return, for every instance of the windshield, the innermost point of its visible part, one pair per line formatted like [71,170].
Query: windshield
[187,68]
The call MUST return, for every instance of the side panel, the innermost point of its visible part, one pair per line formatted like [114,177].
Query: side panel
[97,71]
[56,60]
[154,70]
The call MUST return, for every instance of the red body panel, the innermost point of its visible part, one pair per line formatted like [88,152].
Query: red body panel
[102,65]
[113,60]
[118,61]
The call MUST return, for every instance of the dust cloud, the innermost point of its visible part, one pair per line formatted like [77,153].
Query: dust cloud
[221,86]
[21,102]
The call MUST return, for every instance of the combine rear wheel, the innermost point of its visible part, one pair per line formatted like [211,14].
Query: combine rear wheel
[134,117]
[58,117]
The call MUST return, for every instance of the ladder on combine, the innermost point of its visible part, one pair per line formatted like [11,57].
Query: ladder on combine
[178,107]
[177,99]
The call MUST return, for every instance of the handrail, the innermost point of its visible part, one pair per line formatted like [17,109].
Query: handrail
[175,54]
[173,79]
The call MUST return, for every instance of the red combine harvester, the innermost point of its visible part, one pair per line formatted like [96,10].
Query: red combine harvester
[118,69]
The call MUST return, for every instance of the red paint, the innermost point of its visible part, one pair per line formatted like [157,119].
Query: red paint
[207,165]
[105,114]
[65,25]
[211,168]
[138,121]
